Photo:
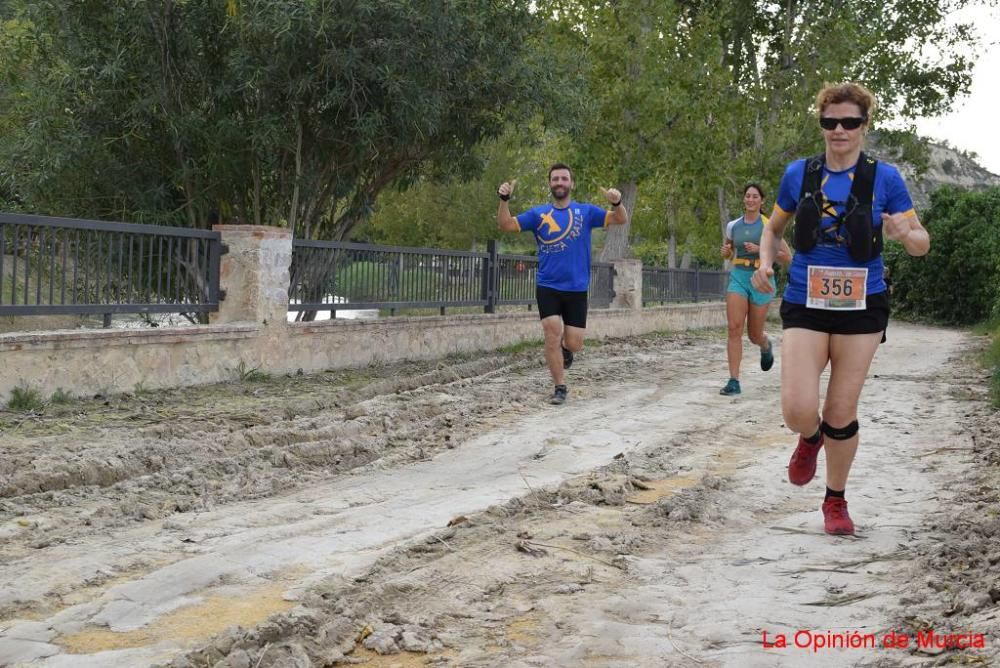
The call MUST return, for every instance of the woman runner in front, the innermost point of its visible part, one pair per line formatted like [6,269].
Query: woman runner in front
[835,309]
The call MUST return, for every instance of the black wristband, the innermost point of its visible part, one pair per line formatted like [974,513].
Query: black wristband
[618,203]
[503,197]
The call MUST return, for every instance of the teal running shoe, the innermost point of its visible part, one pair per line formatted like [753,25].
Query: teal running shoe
[767,357]
[732,387]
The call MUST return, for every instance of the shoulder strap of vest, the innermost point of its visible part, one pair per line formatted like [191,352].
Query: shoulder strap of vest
[863,187]
[812,177]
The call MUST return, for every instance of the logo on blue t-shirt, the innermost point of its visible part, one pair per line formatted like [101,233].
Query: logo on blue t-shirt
[554,235]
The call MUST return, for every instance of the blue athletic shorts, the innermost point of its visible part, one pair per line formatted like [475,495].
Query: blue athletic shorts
[739,282]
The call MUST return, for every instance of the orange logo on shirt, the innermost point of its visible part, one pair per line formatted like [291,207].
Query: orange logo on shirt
[551,228]
[550,223]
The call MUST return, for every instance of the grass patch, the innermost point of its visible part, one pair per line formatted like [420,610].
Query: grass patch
[656,334]
[453,310]
[988,327]
[140,390]
[25,399]
[521,346]
[61,397]
[250,374]
[993,363]
[990,358]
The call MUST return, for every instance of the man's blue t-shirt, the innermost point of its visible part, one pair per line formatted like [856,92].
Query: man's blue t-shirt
[563,237]
[890,196]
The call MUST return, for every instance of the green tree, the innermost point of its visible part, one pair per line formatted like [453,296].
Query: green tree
[780,54]
[703,96]
[281,112]
[460,213]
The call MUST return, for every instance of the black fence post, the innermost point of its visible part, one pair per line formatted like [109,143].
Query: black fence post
[216,249]
[697,283]
[491,276]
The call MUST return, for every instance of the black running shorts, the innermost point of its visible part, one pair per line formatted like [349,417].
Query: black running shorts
[572,306]
[874,319]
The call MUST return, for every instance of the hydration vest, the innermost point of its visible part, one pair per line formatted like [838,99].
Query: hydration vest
[862,238]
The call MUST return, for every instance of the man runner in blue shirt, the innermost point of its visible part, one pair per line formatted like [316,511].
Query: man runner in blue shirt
[563,232]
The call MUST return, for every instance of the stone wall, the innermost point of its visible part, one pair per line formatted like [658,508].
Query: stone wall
[250,331]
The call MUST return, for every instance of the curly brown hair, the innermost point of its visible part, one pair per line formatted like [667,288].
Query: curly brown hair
[846,92]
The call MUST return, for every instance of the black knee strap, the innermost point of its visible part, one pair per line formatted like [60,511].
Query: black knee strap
[839,433]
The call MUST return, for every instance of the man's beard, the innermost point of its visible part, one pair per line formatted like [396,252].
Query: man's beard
[559,192]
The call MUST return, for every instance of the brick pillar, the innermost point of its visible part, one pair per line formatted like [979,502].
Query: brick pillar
[628,284]
[254,275]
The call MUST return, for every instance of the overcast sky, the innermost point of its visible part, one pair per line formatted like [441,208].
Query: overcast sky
[974,125]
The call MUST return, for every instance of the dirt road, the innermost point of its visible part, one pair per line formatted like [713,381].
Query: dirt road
[444,514]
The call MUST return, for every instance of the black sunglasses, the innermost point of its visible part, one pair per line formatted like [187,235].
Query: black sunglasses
[848,122]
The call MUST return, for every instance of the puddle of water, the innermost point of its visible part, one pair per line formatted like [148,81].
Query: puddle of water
[603,660]
[724,463]
[659,489]
[523,630]
[40,610]
[187,625]
[785,439]
[373,659]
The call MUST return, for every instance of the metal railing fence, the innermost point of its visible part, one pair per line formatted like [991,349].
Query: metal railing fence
[518,273]
[336,275]
[339,275]
[52,266]
[662,285]
[516,279]
[602,281]
[70,266]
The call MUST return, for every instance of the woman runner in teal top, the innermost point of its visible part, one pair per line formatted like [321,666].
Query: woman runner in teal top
[743,302]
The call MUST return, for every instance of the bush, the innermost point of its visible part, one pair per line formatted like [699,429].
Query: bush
[958,281]
[991,356]
[60,397]
[25,399]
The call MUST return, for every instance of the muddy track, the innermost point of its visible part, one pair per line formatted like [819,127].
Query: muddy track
[111,463]
[108,463]
[445,514]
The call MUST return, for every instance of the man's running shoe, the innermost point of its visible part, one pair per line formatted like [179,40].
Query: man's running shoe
[767,357]
[732,387]
[559,396]
[802,465]
[836,521]
[567,357]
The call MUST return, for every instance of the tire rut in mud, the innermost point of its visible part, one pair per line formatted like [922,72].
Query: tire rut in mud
[226,443]
[425,600]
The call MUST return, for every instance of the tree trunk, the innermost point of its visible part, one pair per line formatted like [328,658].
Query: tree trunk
[293,213]
[671,237]
[686,260]
[723,219]
[723,210]
[616,245]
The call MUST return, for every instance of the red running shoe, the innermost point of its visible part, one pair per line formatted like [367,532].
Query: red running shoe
[836,521]
[802,465]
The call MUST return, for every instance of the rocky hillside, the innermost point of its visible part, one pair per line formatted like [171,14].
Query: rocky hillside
[946,166]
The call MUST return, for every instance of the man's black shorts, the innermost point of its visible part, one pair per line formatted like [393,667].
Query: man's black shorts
[572,306]
[874,319]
